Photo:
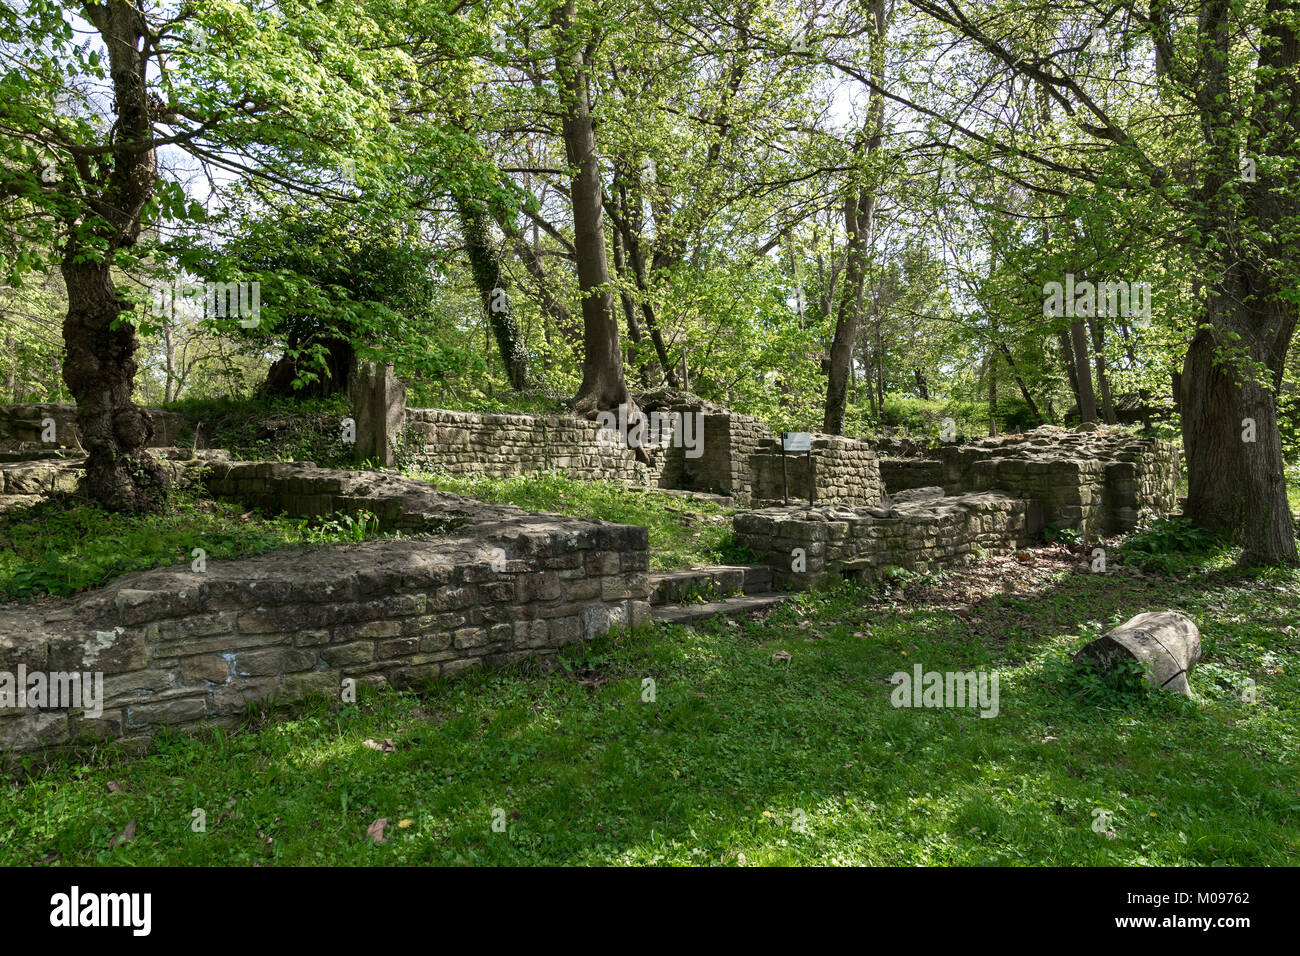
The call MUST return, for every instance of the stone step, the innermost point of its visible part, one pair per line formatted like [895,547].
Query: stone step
[732,607]
[716,581]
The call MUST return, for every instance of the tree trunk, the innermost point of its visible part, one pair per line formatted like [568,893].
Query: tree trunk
[1067,359]
[629,311]
[485,264]
[99,368]
[603,383]
[99,351]
[1098,330]
[993,394]
[858,210]
[340,361]
[1087,397]
[11,370]
[1236,486]
[859,217]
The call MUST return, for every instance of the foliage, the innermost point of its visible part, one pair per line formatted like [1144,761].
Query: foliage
[65,544]
[1166,544]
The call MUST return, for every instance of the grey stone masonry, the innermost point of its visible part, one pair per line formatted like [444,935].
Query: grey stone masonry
[1096,483]
[845,471]
[379,404]
[25,427]
[182,647]
[501,446]
[808,547]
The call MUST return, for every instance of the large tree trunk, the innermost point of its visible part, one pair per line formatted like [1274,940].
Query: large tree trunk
[99,369]
[603,383]
[1236,486]
[340,361]
[485,264]
[99,357]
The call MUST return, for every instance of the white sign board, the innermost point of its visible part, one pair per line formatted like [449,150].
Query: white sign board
[796,441]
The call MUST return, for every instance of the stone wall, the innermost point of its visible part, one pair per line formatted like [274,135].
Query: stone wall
[28,476]
[500,446]
[922,535]
[843,470]
[181,647]
[1096,483]
[724,468]
[21,427]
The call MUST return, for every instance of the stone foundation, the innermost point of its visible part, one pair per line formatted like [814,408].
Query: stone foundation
[809,547]
[181,647]
[22,427]
[1096,483]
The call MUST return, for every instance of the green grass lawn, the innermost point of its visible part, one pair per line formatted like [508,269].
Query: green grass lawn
[684,532]
[67,544]
[743,758]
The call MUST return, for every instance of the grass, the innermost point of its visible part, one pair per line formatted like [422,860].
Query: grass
[66,544]
[683,532]
[743,758]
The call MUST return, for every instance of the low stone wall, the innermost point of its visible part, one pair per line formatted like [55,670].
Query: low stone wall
[27,477]
[807,547]
[501,446]
[180,646]
[24,426]
[1096,483]
[843,470]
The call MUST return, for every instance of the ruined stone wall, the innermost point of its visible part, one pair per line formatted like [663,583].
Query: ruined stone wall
[1096,483]
[21,427]
[723,467]
[501,446]
[181,647]
[844,471]
[921,536]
